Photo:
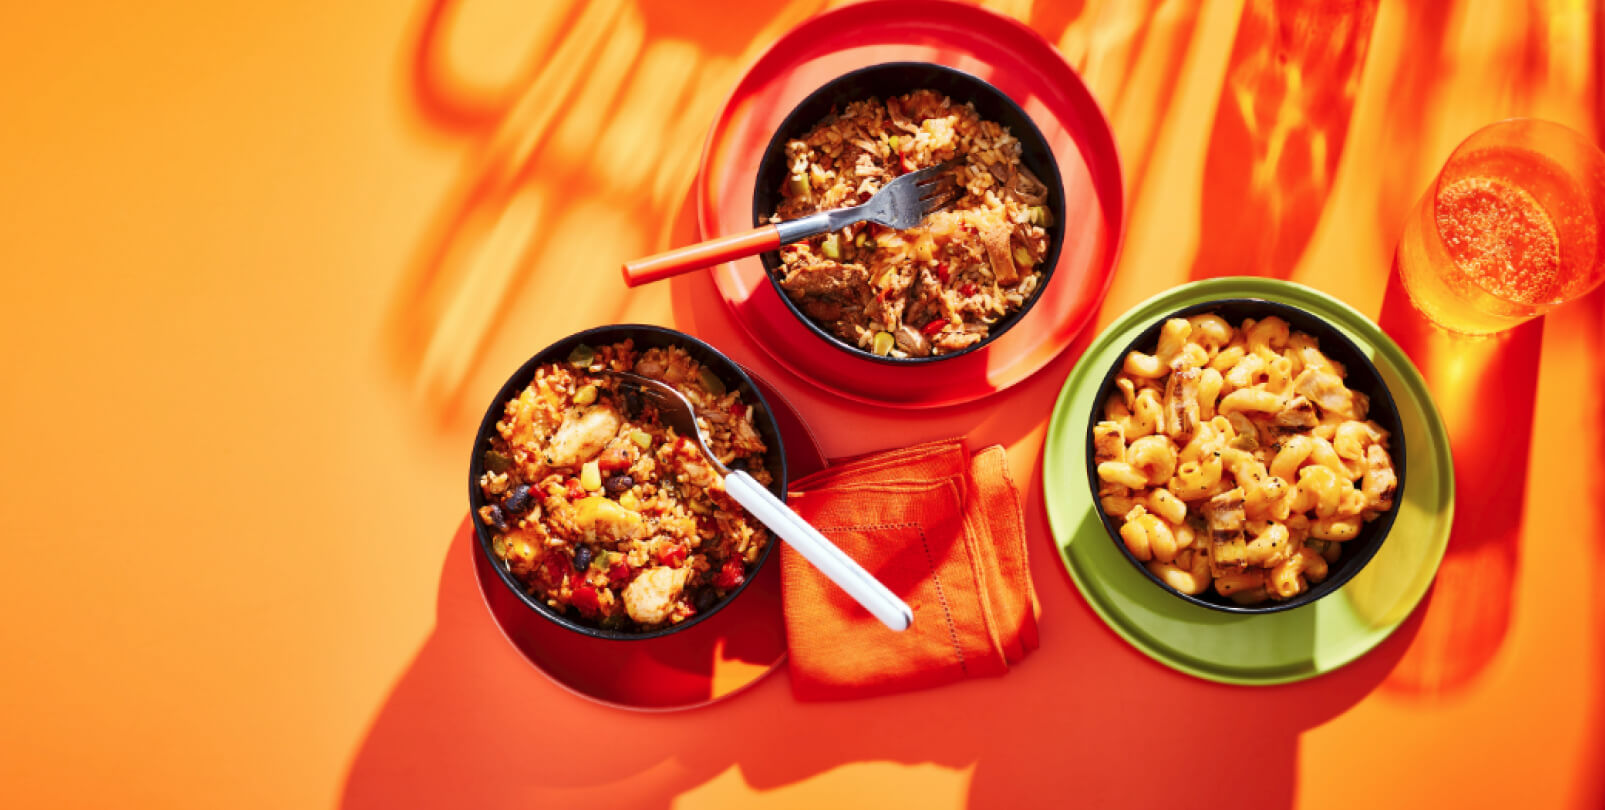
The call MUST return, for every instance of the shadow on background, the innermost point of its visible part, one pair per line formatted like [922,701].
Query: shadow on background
[469,725]
[1130,54]
[572,167]
[1279,131]
[1476,383]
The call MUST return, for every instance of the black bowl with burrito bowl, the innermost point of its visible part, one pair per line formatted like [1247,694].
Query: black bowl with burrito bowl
[731,376]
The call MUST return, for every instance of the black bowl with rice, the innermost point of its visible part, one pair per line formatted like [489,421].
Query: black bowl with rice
[964,276]
[594,512]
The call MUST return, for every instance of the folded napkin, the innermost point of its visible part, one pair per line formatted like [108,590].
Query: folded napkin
[944,531]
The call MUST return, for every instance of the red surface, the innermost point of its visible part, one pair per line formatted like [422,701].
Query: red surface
[1010,56]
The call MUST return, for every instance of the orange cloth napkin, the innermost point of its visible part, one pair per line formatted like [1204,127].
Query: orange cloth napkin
[944,531]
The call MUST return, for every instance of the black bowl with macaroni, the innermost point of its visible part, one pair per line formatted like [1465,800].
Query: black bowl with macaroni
[1258,527]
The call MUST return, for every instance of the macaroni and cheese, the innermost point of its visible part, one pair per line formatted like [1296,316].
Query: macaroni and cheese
[1237,458]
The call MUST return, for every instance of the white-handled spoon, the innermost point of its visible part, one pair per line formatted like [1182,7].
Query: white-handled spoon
[769,510]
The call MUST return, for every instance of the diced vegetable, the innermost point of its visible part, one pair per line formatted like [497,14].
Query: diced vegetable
[497,462]
[581,356]
[711,382]
[893,142]
[1041,216]
[942,272]
[586,599]
[936,325]
[591,476]
[673,556]
[884,343]
[641,438]
[732,574]
[601,516]
[799,186]
[968,289]
[585,396]
[831,248]
[1022,257]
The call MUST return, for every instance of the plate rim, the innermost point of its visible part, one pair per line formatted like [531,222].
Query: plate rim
[1102,131]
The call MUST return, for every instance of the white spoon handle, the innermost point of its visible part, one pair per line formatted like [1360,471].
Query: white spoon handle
[819,552]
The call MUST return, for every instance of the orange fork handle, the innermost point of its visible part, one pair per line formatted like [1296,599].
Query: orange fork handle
[711,252]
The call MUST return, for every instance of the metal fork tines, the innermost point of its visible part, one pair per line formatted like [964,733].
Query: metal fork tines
[673,408]
[900,204]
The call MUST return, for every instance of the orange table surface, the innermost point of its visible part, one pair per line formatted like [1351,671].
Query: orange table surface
[262,266]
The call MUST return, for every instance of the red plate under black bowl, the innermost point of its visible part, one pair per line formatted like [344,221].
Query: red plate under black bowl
[730,651]
[1005,53]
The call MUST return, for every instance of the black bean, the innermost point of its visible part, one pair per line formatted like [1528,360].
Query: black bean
[582,558]
[518,502]
[493,516]
[632,402]
[616,485]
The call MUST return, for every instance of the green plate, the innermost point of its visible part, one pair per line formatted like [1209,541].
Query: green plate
[1265,648]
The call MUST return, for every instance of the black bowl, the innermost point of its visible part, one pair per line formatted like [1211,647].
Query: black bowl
[884,81]
[1362,376]
[645,337]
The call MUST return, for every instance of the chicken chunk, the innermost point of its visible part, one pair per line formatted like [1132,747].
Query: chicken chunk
[996,238]
[1297,416]
[1108,442]
[1326,390]
[1224,512]
[1181,404]
[650,597]
[583,434]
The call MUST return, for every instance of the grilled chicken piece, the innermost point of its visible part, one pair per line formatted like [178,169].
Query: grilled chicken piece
[995,235]
[1108,442]
[821,290]
[650,597]
[1228,549]
[1181,405]
[1297,416]
[1224,512]
[1228,553]
[1326,390]
[582,435]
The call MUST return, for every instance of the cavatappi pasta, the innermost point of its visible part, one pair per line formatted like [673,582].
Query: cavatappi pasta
[1236,458]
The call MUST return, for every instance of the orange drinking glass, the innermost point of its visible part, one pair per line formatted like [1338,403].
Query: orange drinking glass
[1509,230]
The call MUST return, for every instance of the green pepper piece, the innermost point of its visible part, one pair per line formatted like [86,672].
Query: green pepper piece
[711,382]
[582,356]
[497,462]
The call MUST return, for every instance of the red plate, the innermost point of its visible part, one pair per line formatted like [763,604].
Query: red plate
[729,652]
[1017,61]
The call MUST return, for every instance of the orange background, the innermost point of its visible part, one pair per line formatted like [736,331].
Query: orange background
[262,266]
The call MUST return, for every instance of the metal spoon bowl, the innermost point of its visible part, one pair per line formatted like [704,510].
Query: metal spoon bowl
[678,412]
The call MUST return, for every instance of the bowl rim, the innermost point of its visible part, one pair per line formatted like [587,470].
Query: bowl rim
[1054,180]
[1380,528]
[522,377]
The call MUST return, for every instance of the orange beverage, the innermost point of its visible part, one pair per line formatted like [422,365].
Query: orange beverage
[1509,229]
